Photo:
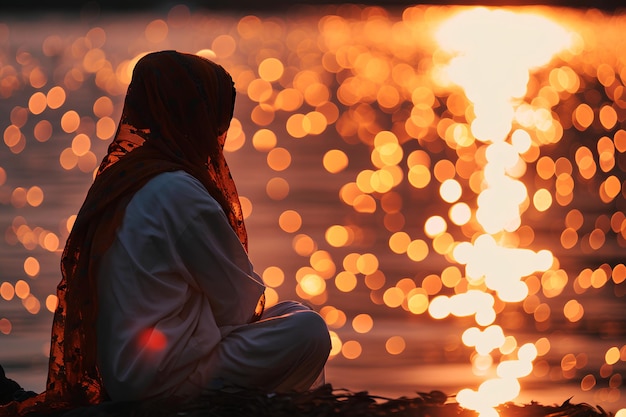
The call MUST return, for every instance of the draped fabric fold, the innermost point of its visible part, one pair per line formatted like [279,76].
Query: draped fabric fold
[176,112]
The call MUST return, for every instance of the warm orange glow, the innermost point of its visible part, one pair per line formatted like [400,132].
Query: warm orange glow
[303,245]
[334,317]
[51,303]
[264,140]
[55,97]
[271,297]
[70,121]
[7,291]
[367,263]
[105,128]
[612,355]
[289,99]
[277,188]
[351,349]
[362,323]
[152,339]
[419,176]
[31,266]
[588,382]
[393,297]
[43,130]
[345,281]
[87,162]
[37,103]
[375,281]
[290,221]
[337,235]
[542,200]
[273,276]
[68,159]
[34,196]
[583,115]
[223,46]
[335,161]
[279,159]
[452,166]
[12,136]
[22,289]
[336,344]
[37,78]
[432,284]
[31,304]
[573,310]
[156,31]
[417,302]
[19,197]
[395,345]
[235,137]
[399,242]
[312,285]
[417,250]
[5,326]
[50,242]
[103,107]
[271,69]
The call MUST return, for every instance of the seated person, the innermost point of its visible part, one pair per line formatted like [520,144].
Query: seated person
[158,297]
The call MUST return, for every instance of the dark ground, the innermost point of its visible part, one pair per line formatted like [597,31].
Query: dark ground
[325,401]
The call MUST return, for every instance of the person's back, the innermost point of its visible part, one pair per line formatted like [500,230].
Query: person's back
[175,281]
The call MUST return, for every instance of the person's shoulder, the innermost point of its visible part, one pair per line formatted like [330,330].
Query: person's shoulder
[176,190]
[173,183]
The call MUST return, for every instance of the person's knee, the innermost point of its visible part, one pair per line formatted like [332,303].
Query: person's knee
[312,332]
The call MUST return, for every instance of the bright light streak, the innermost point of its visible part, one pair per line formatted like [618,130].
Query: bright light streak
[489,394]
[484,341]
[502,268]
[473,302]
[498,205]
[494,50]
[492,53]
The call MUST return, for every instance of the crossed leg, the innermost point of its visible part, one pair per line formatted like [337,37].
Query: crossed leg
[284,351]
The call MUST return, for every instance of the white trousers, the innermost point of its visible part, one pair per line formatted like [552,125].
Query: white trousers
[285,350]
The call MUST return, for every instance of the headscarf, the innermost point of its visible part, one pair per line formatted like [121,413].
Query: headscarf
[176,112]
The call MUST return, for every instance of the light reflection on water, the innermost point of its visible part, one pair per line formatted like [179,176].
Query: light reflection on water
[361,242]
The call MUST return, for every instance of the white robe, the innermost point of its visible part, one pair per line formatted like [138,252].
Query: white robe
[176,293]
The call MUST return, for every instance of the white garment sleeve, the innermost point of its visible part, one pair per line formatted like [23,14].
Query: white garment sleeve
[175,278]
[219,265]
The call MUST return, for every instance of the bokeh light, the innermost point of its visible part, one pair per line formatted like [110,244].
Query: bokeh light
[456,171]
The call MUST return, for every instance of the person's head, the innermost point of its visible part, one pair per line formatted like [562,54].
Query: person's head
[180,96]
[177,110]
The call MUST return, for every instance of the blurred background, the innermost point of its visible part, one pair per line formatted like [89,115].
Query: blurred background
[443,183]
